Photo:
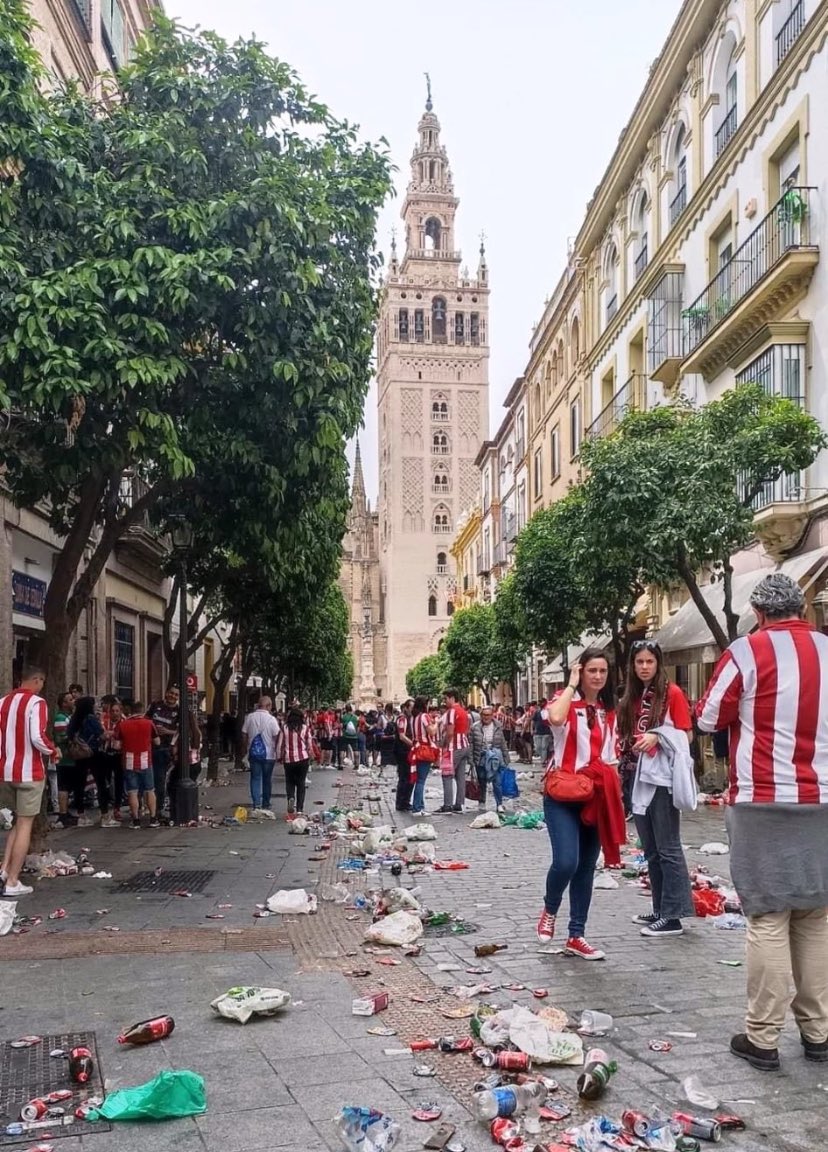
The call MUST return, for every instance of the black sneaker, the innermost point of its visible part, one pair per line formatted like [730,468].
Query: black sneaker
[662,927]
[646,918]
[765,1059]
[457,808]
[135,824]
[155,823]
[816,1050]
[442,810]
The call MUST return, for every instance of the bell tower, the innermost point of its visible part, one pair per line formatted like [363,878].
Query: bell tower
[433,377]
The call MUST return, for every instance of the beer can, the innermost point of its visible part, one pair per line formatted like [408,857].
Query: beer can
[635,1122]
[485,1057]
[503,1130]
[687,1144]
[702,1127]
[58,1095]
[513,1062]
[34,1110]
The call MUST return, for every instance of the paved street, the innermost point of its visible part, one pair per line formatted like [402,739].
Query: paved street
[279,1083]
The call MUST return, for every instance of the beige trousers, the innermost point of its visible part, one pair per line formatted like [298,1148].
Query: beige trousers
[781,945]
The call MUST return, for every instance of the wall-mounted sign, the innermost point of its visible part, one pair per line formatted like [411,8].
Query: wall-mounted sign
[28,594]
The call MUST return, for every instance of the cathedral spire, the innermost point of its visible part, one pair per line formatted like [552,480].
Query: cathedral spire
[358,502]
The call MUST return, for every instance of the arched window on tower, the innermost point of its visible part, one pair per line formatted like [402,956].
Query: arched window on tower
[459,328]
[575,340]
[403,318]
[442,564]
[439,408]
[440,481]
[432,605]
[433,234]
[450,608]
[438,320]
[439,444]
[442,520]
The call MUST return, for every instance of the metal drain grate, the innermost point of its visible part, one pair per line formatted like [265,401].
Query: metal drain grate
[168,882]
[30,1073]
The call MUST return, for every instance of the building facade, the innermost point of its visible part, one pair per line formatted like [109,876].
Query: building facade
[432,373]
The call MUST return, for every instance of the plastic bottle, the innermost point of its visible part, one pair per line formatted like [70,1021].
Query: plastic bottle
[596,1074]
[148,1031]
[511,1100]
[81,1065]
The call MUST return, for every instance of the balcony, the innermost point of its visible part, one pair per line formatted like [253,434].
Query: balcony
[789,32]
[678,204]
[440,416]
[141,538]
[764,278]
[500,554]
[508,528]
[630,397]
[664,330]
[641,261]
[726,130]
[442,569]
[484,566]
[520,449]
[431,254]
[612,306]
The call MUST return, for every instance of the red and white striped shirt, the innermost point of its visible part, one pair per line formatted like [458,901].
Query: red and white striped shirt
[23,739]
[421,733]
[294,744]
[456,717]
[587,735]
[771,690]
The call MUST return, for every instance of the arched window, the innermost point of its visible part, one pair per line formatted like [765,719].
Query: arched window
[442,520]
[433,234]
[438,320]
[537,402]
[678,163]
[575,340]
[440,444]
[440,481]
[403,323]
[442,562]
[611,282]
[439,407]
[432,605]
[726,86]
[641,226]
[560,369]
[450,608]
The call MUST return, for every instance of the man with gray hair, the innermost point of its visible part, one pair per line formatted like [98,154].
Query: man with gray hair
[770,690]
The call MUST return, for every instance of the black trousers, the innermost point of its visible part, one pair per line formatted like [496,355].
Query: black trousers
[403,801]
[101,767]
[296,775]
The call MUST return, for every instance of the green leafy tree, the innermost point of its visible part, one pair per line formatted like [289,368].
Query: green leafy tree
[427,677]
[510,640]
[469,651]
[186,293]
[676,486]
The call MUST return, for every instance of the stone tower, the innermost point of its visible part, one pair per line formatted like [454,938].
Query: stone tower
[360,582]
[432,374]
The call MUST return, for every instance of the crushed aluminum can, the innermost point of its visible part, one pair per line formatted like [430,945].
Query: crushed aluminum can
[261,915]
[58,1054]
[660,1046]
[58,914]
[34,1110]
[42,1148]
[540,993]
[424,1070]
[58,1095]
[82,1111]
[26,1042]
[426,1111]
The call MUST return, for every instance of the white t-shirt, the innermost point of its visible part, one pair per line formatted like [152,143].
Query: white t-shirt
[262,723]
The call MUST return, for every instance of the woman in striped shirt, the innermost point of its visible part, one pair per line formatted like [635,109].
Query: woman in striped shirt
[426,752]
[294,751]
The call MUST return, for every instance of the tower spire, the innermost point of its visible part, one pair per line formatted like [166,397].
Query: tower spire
[429,104]
[358,503]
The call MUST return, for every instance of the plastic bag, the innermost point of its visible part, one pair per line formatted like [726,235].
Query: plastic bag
[714,848]
[262,814]
[8,911]
[486,820]
[698,1095]
[494,1030]
[531,820]
[290,902]
[366,1130]
[509,784]
[605,880]
[172,1093]
[421,832]
[708,902]
[242,1003]
[240,814]
[398,929]
[334,893]
[376,836]
[425,853]
[52,864]
[298,827]
[401,900]
[729,921]
[534,1037]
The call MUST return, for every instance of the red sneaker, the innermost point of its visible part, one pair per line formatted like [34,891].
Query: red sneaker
[577,946]
[546,927]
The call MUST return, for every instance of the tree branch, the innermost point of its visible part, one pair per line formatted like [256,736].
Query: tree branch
[707,613]
[731,619]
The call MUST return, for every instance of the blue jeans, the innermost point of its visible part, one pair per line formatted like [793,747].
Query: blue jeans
[660,832]
[361,744]
[423,769]
[497,790]
[575,850]
[261,777]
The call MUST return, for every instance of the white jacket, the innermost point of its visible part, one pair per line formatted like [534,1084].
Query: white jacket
[671,767]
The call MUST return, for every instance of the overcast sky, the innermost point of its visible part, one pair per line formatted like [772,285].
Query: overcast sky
[531,96]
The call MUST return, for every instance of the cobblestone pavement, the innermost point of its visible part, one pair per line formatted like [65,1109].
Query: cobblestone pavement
[278,1083]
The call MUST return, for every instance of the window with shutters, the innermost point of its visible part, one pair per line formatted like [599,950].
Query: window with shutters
[124,661]
[113,26]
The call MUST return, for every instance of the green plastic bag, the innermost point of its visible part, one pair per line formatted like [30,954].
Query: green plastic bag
[171,1094]
[530,820]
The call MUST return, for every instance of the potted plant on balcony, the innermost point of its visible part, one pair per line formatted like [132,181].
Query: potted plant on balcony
[793,207]
[698,317]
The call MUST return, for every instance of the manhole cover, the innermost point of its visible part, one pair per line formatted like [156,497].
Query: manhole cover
[30,1073]
[183,880]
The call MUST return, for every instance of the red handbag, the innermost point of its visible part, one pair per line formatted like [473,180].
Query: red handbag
[568,787]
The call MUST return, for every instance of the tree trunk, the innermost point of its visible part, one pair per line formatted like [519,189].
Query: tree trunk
[707,613]
[731,618]
[220,674]
[246,672]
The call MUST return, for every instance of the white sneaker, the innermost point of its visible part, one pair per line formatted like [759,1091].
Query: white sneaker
[12,891]
[481,807]
[109,823]
[83,822]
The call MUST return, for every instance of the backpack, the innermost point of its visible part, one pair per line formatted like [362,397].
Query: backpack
[350,728]
[258,748]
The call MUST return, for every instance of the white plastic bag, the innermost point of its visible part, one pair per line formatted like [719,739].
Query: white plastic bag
[421,832]
[426,851]
[605,880]
[376,836]
[242,1003]
[261,814]
[698,1095]
[494,1030]
[334,893]
[401,900]
[398,929]
[6,818]
[534,1037]
[292,902]
[8,911]
[714,848]
[485,820]
[298,827]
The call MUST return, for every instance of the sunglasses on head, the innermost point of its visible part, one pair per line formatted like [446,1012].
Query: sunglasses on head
[645,645]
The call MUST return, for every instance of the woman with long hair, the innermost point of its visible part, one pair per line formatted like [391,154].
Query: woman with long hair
[86,726]
[654,718]
[582,718]
[425,750]
[294,752]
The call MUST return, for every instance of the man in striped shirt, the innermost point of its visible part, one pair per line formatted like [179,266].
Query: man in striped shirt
[455,727]
[23,744]
[770,690]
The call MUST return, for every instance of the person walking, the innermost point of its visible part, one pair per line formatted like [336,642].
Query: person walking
[86,731]
[425,750]
[403,742]
[349,736]
[71,776]
[294,752]
[653,729]
[770,691]
[260,736]
[112,712]
[136,735]
[582,718]
[541,733]
[164,715]
[490,754]
[455,726]
[24,743]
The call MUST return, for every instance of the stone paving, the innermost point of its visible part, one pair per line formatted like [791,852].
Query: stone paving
[279,1083]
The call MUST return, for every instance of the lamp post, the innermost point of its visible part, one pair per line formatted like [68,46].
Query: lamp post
[184,793]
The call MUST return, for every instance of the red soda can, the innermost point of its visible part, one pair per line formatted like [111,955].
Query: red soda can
[635,1122]
[34,1110]
[513,1062]
[422,1045]
[503,1130]
[702,1127]
[60,1094]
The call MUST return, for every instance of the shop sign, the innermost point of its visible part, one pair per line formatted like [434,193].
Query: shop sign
[28,594]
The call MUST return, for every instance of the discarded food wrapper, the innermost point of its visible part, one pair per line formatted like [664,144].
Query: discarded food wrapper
[289,902]
[243,1002]
[730,921]
[240,814]
[532,1035]
[380,1030]
[714,848]
[366,1130]
[450,865]
[371,1004]
[58,914]
[424,1070]
[660,1046]
[397,929]
[172,1093]
[698,1095]
[427,1111]
[26,1042]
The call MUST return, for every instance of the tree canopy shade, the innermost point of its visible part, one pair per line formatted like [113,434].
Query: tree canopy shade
[427,677]
[186,297]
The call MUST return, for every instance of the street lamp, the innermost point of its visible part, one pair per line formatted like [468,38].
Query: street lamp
[184,791]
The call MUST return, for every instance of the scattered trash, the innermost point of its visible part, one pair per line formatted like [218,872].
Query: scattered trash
[172,1093]
[111,928]
[8,911]
[708,902]
[424,1070]
[292,902]
[334,893]
[683,1035]
[427,1111]
[380,1030]
[51,864]
[698,1095]
[701,1127]
[370,1005]
[184,893]
[441,1140]
[527,820]
[486,820]
[509,1100]
[101,911]
[58,1054]
[731,963]
[730,921]
[240,814]
[595,1023]
[241,1003]
[452,968]
[596,1075]
[450,865]
[489,949]
[81,1065]
[26,1042]
[533,1035]
[58,914]
[299,827]
[148,1031]
[605,880]
[397,929]
[421,832]
[101,875]
[213,916]
[540,993]
[714,848]
[660,1046]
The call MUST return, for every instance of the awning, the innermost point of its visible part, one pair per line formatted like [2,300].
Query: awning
[555,670]
[686,632]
